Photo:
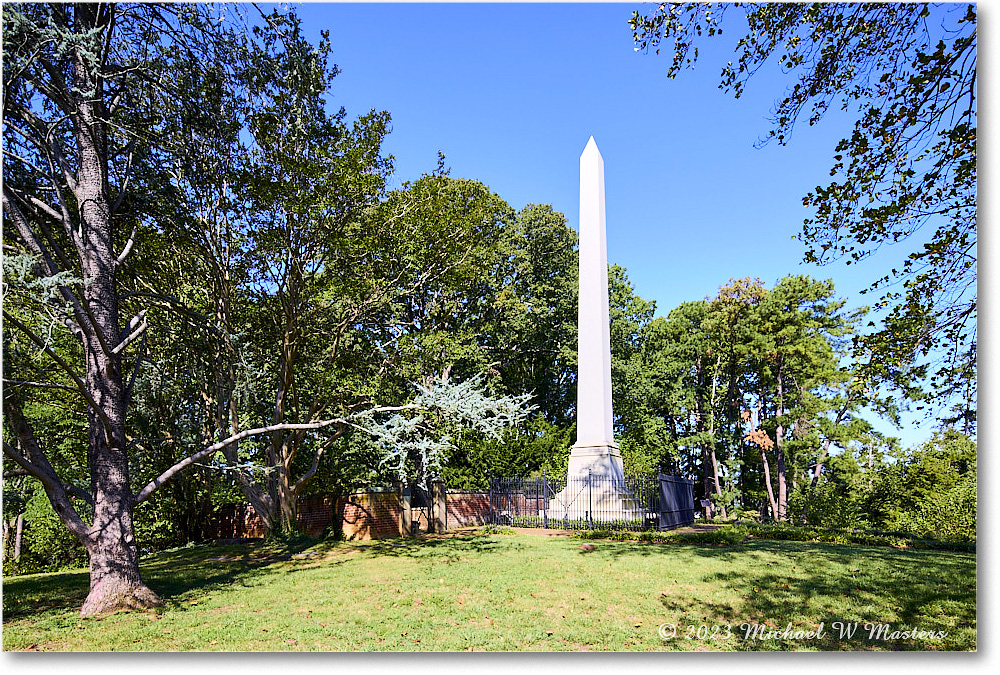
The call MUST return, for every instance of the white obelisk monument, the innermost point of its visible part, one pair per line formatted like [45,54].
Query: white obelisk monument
[595,452]
[595,486]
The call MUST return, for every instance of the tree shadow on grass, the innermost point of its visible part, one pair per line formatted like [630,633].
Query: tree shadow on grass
[178,574]
[59,591]
[445,549]
[171,574]
[824,583]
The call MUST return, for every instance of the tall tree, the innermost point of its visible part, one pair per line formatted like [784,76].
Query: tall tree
[747,391]
[534,342]
[518,322]
[629,315]
[311,178]
[733,326]
[100,104]
[85,91]
[449,262]
[906,171]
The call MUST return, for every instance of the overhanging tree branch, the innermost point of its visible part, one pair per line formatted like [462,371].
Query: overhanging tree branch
[157,482]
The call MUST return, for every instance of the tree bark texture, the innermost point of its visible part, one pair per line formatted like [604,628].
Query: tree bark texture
[767,482]
[779,448]
[18,533]
[115,582]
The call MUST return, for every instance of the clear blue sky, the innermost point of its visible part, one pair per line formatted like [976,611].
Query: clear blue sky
[510,93]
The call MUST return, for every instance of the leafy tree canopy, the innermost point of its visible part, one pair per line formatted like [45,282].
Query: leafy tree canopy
[907,169]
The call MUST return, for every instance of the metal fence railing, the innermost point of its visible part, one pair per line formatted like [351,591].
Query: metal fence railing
[592,502]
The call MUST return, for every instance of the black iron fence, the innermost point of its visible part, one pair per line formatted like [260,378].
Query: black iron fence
[592,502]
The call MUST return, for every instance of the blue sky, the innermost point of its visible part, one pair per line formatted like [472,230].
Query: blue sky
[510,93]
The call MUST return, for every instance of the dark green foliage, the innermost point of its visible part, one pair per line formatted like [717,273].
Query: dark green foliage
[723,536]
[929,492]
[828,504]
[47,544]
[537,446]
[534,337]
[785,532]
[937,490]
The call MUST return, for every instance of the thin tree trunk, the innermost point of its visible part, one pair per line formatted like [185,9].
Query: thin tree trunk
[711,434]
[18,531]
[820,460]
[710,477]
[779,443]
[715,476]
[782,484]
[767,482]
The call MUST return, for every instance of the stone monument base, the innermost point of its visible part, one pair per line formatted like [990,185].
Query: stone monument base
[595,487]
[600,461]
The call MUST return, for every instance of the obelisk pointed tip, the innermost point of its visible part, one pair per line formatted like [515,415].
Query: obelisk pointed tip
[591,146]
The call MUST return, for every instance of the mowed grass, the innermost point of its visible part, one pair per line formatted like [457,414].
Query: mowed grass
[503,592]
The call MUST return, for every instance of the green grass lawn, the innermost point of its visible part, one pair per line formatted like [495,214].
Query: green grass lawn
[520,592]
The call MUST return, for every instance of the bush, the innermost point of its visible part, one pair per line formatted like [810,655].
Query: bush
[949,516]
[786,532]
[47,545]
[723,536]
[496,529]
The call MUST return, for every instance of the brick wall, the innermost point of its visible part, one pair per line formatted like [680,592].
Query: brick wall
[315,513]
[235,521]
[371,515]
[467,508]
[364,515]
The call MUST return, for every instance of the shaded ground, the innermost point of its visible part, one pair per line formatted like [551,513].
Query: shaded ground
[534,590]
[553,532]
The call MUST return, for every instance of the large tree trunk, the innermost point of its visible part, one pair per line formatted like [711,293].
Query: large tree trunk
[115,583]
[287,502]
[114,559]
[114,556]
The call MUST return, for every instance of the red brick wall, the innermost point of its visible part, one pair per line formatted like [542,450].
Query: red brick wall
[465,509]
[315,513]
[371,515]
[235,521]
[519,504]
[366,515]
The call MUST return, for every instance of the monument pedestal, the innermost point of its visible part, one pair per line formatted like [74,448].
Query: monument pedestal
[595,488]
[600,461]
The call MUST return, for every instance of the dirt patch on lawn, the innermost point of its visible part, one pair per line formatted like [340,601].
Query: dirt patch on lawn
[551,532]
[554,532]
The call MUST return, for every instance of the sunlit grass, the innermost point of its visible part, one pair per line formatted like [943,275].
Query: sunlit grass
[522,592]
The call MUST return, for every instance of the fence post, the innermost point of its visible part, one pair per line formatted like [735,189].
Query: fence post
[406,515]
[590,498]
[545,501]
[492,517]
